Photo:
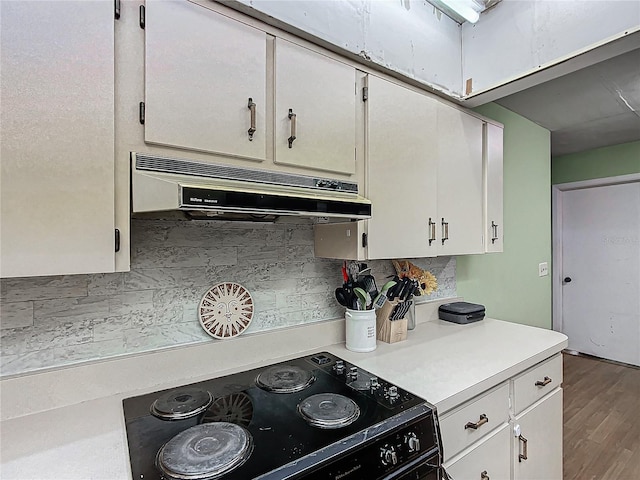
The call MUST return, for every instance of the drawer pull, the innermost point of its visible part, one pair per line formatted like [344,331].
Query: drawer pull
[522,453]
[484,476]
[483,419]
[544,382]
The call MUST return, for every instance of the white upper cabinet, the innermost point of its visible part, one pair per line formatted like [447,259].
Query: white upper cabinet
[57,178]
[401,169]
[205,81]
[216,85]
[315,103]
[460,187]
[424,177]
[493,173]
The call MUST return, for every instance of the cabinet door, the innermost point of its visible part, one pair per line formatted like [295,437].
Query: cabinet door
[401,177]
[201,69]
[321,93]
[494,226]
[541,426]
[460,193]
[488,460]
[57,181]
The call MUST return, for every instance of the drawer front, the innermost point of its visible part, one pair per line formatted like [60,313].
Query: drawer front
[535,383]
[489,460]
[485,413]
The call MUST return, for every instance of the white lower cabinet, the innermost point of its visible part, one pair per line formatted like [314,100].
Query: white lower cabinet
[488,460]
[513,431]
[537,449]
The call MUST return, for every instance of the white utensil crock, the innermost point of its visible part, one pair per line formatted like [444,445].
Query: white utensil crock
[361,330]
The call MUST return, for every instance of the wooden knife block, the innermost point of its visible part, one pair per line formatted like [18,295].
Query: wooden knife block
[388,331]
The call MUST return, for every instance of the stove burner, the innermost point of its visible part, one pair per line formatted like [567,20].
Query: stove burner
[204,452]
[284,379]
[235,408]
[181,404]
[329,410]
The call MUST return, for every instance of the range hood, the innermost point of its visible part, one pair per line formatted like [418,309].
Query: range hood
[165,184]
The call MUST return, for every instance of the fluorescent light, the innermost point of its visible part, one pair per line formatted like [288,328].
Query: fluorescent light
[460,10]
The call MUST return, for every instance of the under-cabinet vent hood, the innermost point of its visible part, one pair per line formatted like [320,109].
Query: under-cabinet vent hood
[164,184]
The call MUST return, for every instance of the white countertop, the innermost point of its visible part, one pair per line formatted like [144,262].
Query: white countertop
[444,363]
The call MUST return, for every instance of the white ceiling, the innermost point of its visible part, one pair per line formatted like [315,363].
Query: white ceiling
[593,107]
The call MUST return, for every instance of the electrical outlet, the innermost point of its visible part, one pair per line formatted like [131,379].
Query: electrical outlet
[543,269]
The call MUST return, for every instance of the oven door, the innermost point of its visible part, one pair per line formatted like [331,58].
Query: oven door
[423,468]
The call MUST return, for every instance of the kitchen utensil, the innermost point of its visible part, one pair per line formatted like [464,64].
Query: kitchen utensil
[362,296]
[368,283]
[342,297]
[382,296]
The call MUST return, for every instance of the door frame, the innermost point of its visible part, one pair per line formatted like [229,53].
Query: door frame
[557,192]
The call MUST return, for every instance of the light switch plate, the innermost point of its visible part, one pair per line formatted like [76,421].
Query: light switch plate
[543,269]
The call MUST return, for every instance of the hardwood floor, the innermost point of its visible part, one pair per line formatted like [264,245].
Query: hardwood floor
[601,420]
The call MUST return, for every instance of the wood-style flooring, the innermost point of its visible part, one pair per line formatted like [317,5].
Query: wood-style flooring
[601,420]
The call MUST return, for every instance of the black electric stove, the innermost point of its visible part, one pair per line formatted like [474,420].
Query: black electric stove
[315,417]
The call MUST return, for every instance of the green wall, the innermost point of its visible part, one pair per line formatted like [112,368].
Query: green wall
[508,283]
[599,163]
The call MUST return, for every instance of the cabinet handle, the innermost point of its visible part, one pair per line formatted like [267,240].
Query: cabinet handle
[432,231]
[292,117]
[483,419]
[494,231]
[484,476]
[522,452]
[545,381]
[252,129]
[445,230]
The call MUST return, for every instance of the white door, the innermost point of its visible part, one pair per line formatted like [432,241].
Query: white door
[402,170]
[540,441]
[460,196]
[601,271]
[493,150]
[57,116]
[201,69]
[321,93]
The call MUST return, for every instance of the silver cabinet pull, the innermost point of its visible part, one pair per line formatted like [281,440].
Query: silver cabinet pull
[292,117]
[483,419]
[543,382]
[252,129]
[484,476]
[432,231]
[522,452]
[445,230]
[494,231]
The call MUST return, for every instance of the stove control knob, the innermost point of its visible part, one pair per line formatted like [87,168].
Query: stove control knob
[412,442]
[393,392]
[353,373]
[339,367]
[373,381]
[388,455]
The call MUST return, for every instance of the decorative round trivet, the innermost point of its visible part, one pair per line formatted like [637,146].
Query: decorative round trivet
[226,310]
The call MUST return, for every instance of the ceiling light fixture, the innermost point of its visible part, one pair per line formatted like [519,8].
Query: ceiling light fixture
[460,10]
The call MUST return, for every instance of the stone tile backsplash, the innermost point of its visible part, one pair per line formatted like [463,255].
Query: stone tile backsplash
[54,321]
